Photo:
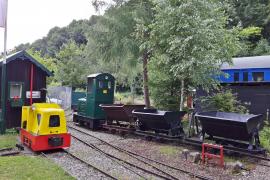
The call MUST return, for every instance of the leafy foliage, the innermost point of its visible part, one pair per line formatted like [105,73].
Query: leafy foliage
[48,62]
[265,137]
[224,101]
[165,90]
[114,40]
[189,41]
[71,66]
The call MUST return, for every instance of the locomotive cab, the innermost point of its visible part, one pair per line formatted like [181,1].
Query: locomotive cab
[100,90]
[44,127]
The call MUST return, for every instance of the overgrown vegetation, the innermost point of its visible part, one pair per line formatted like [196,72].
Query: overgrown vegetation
[265,137]
[128,98]
[224,101]
[28,167]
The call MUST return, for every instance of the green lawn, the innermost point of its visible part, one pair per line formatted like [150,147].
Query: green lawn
[28,167]
[8,140]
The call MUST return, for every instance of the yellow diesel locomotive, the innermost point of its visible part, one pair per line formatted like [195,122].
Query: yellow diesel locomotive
[44,127]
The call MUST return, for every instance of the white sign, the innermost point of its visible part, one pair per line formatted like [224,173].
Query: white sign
[35,94]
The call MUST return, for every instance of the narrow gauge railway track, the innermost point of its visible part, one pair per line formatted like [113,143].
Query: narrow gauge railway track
[139,158]
[84,162]
[196,143]
[8,152]
[126,162]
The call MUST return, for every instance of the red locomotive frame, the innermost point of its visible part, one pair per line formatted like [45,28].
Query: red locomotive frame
[41,142]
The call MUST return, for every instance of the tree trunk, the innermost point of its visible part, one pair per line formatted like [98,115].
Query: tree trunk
[132,89]
[182,95]
[145,80]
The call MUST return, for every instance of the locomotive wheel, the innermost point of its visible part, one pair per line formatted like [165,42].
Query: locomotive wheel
[81,123]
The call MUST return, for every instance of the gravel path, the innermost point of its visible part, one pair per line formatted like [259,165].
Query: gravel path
[101,161]
[124,156]
[114,139]
[74,167]
[260,172]
[153,150]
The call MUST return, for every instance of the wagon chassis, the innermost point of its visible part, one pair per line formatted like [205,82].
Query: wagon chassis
[93,124]
[119,129]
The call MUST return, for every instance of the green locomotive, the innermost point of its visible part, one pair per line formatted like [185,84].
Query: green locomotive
[100,90]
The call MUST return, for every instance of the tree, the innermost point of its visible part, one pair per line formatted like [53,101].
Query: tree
[252,16]
[116,40]
[71,66]
[48,62]
[191,39]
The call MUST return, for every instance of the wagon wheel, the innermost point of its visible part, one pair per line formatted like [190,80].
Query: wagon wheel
[173,132]
[202,135]
[140,126]
[109,122]
[81,123]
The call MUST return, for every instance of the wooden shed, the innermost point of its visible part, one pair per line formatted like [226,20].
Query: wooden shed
[23,74]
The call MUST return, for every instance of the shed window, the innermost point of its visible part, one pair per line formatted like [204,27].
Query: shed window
[245,76]
[236,77]
[16,90]
[54,121]
[258,76]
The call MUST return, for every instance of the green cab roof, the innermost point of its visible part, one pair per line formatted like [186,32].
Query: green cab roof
[97,75]
[23,55]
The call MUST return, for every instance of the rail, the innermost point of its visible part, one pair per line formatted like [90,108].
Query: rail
[135,155]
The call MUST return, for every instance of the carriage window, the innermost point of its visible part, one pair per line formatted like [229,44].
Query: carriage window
[258,76]
[100,84]
[38,118]
[89,86]
[236,76]
[245,76]
[16,90]
[109,84]
[54,121]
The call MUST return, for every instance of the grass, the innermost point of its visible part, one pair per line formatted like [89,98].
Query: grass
[9,139]
[28,167]
[265,137]
[169,150]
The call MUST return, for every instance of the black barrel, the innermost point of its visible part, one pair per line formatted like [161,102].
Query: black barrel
[168,122]
[120,112]
[230,125]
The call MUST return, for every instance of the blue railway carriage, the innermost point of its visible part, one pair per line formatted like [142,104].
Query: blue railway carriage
[249,77]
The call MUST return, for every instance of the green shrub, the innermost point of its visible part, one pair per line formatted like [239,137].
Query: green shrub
[118,97]
[265,137]
[222,101]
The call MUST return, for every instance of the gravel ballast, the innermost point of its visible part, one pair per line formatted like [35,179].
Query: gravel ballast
[155,150]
